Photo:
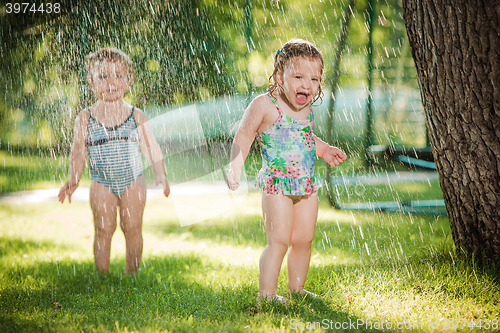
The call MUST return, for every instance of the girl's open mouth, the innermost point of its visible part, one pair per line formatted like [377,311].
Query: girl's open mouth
[301,98]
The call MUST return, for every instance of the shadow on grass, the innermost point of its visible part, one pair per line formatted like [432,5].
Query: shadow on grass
[166,295]
[189,293]
[379,236]
[396,241]
[10,246]
[245,231]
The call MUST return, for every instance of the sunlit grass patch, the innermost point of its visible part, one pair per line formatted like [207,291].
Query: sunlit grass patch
[411,292]
[367,266]
[389,192]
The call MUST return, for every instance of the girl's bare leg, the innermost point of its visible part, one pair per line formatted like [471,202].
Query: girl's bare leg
[306,214]
[278,218]
[131,210]
[103,203]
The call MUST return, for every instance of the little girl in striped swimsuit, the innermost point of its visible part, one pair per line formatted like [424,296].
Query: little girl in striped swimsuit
[282,120]
[112,134]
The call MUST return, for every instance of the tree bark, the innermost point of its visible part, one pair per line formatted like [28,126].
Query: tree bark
[455,46]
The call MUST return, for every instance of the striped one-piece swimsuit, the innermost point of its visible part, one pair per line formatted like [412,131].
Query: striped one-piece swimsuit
[114,153]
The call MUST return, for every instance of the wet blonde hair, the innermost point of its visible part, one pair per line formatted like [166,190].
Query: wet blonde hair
[295,48]
[113,54]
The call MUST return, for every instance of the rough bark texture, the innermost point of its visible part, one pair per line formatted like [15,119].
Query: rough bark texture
[455,46]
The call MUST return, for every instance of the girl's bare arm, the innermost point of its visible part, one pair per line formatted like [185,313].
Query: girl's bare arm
[250,123]
[332,155]
[151,149]
[77,157]
[321,146]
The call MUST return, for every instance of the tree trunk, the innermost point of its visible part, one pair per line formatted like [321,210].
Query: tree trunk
[455,46]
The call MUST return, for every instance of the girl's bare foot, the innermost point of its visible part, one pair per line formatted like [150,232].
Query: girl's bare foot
[304,292]
[271,298]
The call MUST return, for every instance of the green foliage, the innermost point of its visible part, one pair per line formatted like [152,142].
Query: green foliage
[184,51]
[32,171]
[177,52]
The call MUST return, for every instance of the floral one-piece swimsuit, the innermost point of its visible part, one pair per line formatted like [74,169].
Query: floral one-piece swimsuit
[288,156]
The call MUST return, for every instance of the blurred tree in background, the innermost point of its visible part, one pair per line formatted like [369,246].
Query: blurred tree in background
[178,57]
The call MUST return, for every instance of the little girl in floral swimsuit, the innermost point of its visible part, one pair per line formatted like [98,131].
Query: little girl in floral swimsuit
[282,120]
[288,156]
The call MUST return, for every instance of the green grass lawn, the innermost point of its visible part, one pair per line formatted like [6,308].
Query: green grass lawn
[374,271]
[367,267]
[27,172]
